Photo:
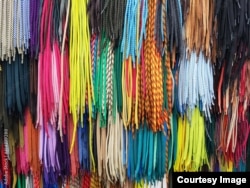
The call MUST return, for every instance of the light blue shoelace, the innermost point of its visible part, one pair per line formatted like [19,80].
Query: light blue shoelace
[195,86]
[128,45]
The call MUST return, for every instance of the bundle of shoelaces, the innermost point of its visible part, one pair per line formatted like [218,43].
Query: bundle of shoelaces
[121,93]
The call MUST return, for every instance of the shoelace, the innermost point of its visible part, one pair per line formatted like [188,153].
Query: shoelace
[109,75]
[34,27]
[119,168]
[154,81]
[64,86]
[83,143]
[83,71]
[127,91]
[191,151]
[101,18]
[15,33]
[234,119]
[128,45]
[45,97]
[101,148]
[167,86]
[74,157]
[94,49]
[17,79]
[117,79]
[173,22]
[198,36]
[199,89]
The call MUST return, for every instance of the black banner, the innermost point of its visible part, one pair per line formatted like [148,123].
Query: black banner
[210,179]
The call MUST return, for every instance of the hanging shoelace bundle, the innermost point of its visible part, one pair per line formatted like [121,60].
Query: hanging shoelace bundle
[94,13]
[45,63]
[158,26]
[49,154]
[146,161]
[34,19]
[198,26]
[115,169]
[174,25]
[233,36]
[195,84]
[154,91]
[101,14]
[15,27]
[191,150]
[81,87]
[48,101]
[134,29]
[6,25]
[233,43]
[16,86]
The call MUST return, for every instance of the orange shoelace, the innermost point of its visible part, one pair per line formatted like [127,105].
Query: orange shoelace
[154,96]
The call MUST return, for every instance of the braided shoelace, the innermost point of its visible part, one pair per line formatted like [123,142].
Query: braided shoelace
[153,80]
[15,28]
[165,43]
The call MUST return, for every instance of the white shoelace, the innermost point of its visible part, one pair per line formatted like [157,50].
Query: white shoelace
[14,28]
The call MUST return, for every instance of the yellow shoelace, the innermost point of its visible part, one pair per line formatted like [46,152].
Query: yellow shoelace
[80,69]
[191,148]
